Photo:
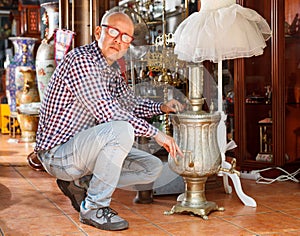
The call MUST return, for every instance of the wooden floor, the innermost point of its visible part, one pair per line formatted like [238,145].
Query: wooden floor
[32,204]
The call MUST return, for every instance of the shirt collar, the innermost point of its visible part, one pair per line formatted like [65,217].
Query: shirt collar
[100,57]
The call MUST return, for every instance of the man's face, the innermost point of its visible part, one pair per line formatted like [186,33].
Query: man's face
[113,48]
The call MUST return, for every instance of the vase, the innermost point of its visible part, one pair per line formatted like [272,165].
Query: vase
[27,117]
[45,57]
[29,92]
[29,125]
[23,59]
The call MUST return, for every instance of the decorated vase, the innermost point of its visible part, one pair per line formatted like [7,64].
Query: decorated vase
[28,117]
[23,59]
[45,58]
[29,93]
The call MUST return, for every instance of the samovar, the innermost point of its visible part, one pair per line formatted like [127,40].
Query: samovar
[195,131]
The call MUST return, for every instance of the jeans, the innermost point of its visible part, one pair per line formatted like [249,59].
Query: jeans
[104,153]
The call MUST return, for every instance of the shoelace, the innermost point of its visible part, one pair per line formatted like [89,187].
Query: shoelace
[107,213]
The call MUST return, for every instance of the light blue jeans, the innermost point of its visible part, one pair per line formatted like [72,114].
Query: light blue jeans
[104,153]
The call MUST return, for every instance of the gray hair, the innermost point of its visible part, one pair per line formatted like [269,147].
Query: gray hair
[113,11]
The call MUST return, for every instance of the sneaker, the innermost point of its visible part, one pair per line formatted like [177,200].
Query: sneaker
[103,218]
[73,192]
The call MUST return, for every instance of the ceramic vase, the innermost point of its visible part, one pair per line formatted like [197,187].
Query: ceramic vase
[23,59]
[29,125]
[45,57]
[28,120]
[29,92]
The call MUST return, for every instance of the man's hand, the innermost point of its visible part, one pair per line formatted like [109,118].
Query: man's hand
[171,106]
[168,143]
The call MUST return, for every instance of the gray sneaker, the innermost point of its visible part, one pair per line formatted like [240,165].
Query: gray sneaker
[103,218]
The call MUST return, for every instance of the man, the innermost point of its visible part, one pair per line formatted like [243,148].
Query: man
[88,120]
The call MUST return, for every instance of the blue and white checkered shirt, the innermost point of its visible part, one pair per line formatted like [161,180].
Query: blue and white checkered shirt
[85,91]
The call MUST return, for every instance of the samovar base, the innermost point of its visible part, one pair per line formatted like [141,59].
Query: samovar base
[194,200]
[203,210]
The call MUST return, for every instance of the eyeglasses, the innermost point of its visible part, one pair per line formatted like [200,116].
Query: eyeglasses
[114,32]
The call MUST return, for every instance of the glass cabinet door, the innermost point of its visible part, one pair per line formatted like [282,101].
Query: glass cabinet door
[259,95]
[292,79]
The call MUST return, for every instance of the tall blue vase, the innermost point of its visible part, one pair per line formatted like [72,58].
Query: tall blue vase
[22,60]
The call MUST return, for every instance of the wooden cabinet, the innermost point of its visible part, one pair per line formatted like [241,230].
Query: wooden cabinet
[30,20]
[279,68]
[27,18]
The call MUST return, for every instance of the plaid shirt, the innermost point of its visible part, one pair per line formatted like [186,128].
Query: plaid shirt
[85,91]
